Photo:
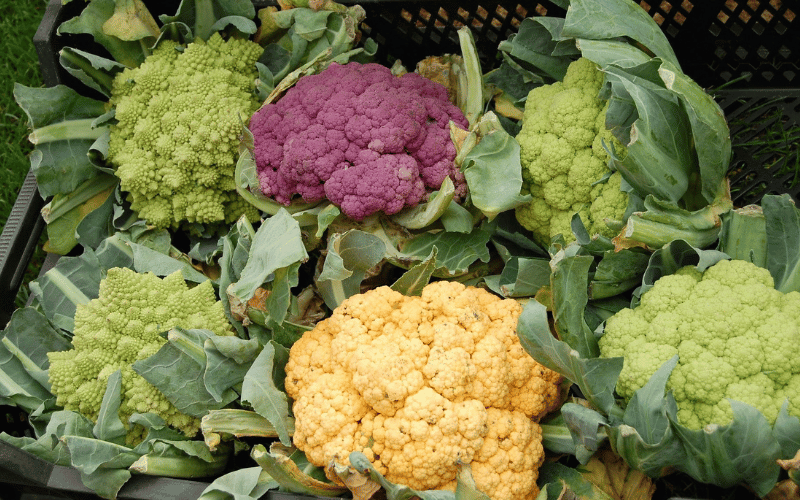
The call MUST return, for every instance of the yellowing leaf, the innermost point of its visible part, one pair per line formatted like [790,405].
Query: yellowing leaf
[611,474]
[131,21]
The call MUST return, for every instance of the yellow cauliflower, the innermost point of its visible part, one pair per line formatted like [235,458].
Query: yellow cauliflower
[418,384]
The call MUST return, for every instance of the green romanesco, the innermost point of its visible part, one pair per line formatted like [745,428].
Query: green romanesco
[734,334]
[121,326]
[564,160]
[179,118]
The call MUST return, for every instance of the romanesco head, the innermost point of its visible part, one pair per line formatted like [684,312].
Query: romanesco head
[734,334]
[179,117]
[563,144]
[121,326]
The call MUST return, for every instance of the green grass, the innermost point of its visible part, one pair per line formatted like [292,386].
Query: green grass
[18,63]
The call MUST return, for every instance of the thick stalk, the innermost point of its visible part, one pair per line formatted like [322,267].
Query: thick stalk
[68,130]
[179,467]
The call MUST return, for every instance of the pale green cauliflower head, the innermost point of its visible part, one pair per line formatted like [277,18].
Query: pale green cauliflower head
[122,326]
[179,117]
[734,334]
[564,160]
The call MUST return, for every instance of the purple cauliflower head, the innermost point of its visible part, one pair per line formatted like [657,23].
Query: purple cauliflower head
[359,136]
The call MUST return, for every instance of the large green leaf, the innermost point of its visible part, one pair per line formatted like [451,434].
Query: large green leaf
[93,71]
[494,173]
[248,483]
[277,244]
[350,255]
[711,136]
[264,395]
[73,281]
[198,371]
[783,237]
[62,128]
[659,156]
[608,19]
[743,451]
[596,377]
[570,288]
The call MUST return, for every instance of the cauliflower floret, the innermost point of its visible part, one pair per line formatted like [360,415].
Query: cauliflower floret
[179,117]
[420,383]
[733,335]
[359,136]
[563,144]
[122,326]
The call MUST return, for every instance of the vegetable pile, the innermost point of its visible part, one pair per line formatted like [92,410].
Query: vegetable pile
[288,265]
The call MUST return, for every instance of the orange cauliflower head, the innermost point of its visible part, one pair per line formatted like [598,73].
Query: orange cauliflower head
[419,384]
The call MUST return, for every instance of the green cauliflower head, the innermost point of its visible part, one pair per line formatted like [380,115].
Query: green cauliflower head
[179,120]
[564,160]
[121,326]
[734,334]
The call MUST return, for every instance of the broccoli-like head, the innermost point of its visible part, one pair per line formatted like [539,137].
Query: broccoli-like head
[359,136]
[179,119]
[564,151]
[734,334]
[122,326]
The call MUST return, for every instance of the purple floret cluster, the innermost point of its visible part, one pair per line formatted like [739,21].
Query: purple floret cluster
[359,136]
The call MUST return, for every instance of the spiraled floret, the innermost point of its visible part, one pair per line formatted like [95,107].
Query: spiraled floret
[179,117]
[121,326]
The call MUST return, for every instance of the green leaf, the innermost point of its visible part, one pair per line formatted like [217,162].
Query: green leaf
[350,255]
[659,154]
[596,377]
[92,21]
[787,432]
[277,243]
[249,483]
[73,281]
[494,174]
[570,284]
[587,428]
[521,277]
[108,426]
[93,71]
[197,371]
[103,465]
[617,272]
[711,136]
[29,336]
[536,45]
[414,280]
[203,16]
[260,391]
[280,296]
[17,386]
[220,425]
[97,225]
[743,451]
[427,213]
[456,252]
[61,123]
[606,19]
[783,236]
[65,212]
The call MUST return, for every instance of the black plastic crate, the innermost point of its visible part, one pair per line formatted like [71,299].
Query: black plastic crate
[718,42]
